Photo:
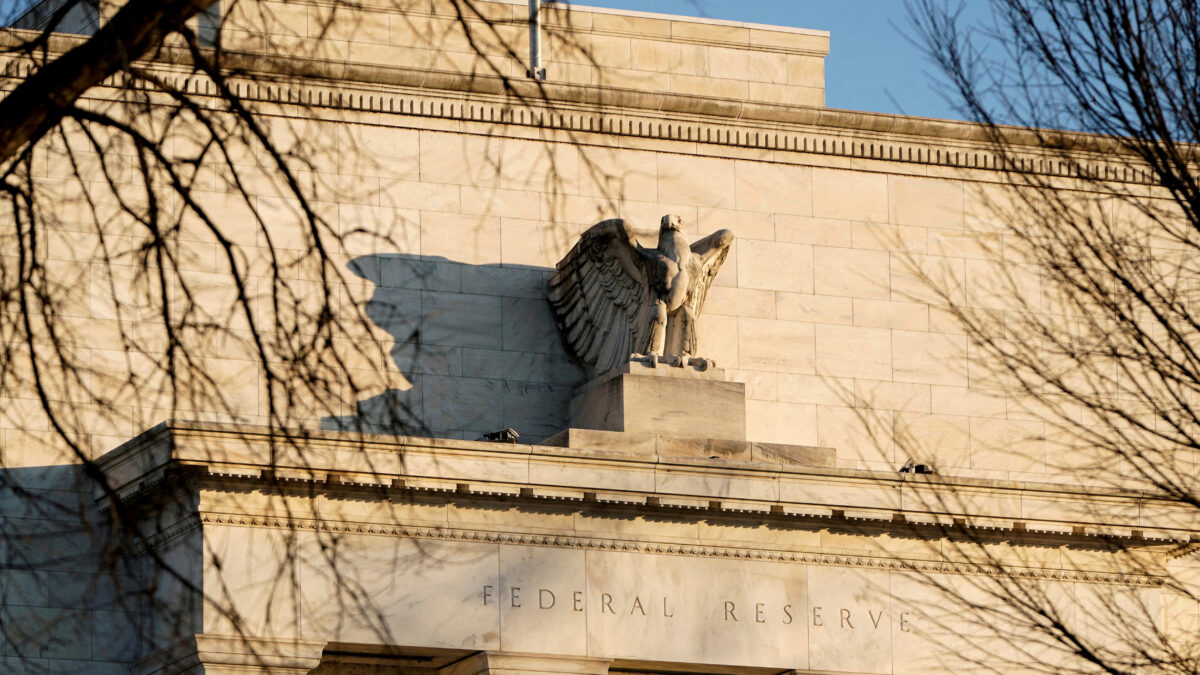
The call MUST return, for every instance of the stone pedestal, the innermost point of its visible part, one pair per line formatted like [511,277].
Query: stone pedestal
[680,402]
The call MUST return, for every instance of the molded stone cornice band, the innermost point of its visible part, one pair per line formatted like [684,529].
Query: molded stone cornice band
[296,74]
[235,457]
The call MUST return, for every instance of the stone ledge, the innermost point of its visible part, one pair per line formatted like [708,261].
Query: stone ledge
[666,446]
[361,466]
[156,445]
[203,653]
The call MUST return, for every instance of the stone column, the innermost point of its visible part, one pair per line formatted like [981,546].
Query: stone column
[229,655]
[500,663]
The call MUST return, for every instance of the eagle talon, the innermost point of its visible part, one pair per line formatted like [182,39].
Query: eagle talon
[702,364]
[673,360]
[650,359]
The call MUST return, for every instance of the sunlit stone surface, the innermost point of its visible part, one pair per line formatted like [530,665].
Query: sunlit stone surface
[748,518]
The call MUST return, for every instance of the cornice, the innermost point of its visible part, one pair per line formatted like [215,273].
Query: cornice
[169,434]
[204,456]
[622,112]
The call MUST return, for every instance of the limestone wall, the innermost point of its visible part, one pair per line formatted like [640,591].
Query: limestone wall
[451,204]
[451,208]
[583,45]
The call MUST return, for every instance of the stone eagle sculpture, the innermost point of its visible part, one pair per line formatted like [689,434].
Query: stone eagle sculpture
[615,300]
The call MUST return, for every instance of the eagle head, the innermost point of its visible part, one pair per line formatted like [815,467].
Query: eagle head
[671,222]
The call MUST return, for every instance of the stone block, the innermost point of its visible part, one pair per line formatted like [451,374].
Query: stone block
[745,224]
[268,17]
[719,33]
[926,278]
[504,281]
[527,165]
[696,180]
[774,188]
[732,301]
[806,230]
[783,346]
[460,403]
[663,57]
[469,239]
[709,86]
[502,365]
[461,320]
[401,271]
[784,94]
[816,308]
[775,266]
[678,402]
[797,455]
[851,351]
[850,272]
[814,42]
[806,71]
[926,201]
[929,358]
[850,195]
[626,25]
[534,242]
[813,389]
[759,385]
[780,422]
[379,151]
[1008,445]
[719,339]
[896,315]
[535,409]
[459,160]
[501,202]
[706,448]
[379,230]
[857,433]
[884,237]
[348,24]
[529,326]
[623,442]
[892,395]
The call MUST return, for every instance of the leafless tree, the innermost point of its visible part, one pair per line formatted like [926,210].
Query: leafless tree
[142,279]
[1088,109]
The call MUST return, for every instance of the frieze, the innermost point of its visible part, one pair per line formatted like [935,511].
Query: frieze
[658,548]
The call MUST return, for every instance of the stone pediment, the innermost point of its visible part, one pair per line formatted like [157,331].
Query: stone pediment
[585,552]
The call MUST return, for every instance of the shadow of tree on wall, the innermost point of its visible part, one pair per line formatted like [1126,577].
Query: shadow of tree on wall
[53,604]
[477,343]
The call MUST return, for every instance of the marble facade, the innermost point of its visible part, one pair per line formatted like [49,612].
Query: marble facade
[775,537]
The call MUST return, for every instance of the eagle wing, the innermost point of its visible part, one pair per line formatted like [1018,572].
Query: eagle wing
[712,252]
[602,296]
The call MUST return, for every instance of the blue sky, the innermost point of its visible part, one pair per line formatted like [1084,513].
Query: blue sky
[871,65]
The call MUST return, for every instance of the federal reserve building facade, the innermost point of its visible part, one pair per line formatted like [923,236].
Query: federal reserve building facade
[663,370]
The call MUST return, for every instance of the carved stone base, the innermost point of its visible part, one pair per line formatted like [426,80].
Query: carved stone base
[681,402]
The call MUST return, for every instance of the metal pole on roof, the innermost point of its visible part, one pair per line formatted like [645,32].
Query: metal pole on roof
[536,71]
